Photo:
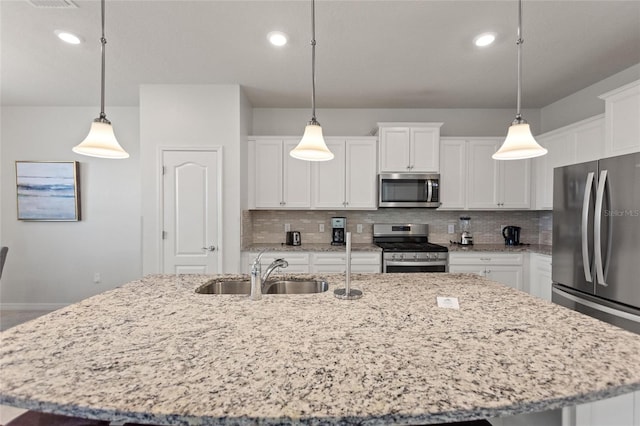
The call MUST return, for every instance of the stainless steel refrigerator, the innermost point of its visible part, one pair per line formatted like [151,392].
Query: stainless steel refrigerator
[596,239]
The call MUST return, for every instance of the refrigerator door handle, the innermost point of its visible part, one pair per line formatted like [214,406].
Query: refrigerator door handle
[585,223]
[598,229]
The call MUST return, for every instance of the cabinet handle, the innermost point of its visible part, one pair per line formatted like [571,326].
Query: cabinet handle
[486,259]
[282,203]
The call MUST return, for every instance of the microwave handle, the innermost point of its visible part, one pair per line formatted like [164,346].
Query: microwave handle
[429,190]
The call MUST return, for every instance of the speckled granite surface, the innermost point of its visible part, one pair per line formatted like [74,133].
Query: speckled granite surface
[154,351]
[309,247]
[530,248]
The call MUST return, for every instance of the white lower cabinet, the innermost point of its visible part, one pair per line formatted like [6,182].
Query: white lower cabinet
[540,276]
[298,261]
[316,262]
[505,268]
[336,262]
[623,410]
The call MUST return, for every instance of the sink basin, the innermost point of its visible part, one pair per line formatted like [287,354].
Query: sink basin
[297,287]
[291,286]
[225,287]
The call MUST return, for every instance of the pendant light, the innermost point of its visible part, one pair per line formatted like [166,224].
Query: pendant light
[312,146]
[101,141]
[519,143]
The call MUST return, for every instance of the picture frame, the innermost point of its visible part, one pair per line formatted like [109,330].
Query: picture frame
[48,191]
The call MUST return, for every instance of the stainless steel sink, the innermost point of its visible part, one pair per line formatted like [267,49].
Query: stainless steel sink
[290,286]
[297,287]
[225,287]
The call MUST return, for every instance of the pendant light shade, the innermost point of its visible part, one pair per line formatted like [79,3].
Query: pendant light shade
[312,146]
[101,141]
[519,143]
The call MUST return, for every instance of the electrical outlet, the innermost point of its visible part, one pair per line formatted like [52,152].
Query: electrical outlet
[502,227]
[96,277]
[359,228]
[451,228]
[321,227]
[287,227]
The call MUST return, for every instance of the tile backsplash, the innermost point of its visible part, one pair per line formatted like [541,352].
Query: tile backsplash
[268,226]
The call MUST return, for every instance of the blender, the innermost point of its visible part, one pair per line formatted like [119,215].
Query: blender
[466,238]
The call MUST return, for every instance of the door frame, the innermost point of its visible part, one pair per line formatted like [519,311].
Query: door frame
[160,199]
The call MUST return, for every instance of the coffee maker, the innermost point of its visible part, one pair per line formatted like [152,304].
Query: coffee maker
[339,227]
[511,235]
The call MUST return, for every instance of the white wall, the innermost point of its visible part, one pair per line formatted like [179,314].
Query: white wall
[51,264]
[362,121]
[584,103]
[190,116]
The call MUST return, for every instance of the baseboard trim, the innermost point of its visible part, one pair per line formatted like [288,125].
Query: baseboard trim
[32,306]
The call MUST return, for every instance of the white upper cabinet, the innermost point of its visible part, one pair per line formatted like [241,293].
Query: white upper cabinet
[483,178]
[622,115]
[349,180]
[279,180]
[471,179]
[409,147]
[576,143]
[453,173]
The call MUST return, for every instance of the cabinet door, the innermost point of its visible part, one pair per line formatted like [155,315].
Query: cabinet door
[622,109]
[540,276]
[507,275]
[453,173]
[425,150]
[482,182]
[467,269]
[515,184]
[268,174]
[395,149]
[296,181]
[361,174]
[589,137]
[561,147]
[329,178]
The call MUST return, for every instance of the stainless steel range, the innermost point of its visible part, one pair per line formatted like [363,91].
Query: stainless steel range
[406,248]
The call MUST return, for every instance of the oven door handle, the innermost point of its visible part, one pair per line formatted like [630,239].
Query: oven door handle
[412,263]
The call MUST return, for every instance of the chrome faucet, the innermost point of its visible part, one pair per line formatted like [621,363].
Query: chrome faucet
[259,280]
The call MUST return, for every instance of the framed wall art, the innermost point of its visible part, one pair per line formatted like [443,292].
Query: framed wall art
[48,190]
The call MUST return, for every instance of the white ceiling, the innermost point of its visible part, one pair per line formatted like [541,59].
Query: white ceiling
[370,54]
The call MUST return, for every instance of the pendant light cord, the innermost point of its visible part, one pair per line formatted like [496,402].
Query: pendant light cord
[103,42]
[313,63]
[519,42]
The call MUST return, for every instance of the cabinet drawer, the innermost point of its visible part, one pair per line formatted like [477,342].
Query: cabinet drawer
[486,258]
[341,258]
[341,269]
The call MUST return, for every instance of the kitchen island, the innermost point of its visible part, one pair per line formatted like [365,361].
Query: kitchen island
[154,351]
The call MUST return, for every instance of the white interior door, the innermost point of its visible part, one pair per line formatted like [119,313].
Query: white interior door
[191,212]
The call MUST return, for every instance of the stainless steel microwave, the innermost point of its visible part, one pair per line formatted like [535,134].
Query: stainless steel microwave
[409,190]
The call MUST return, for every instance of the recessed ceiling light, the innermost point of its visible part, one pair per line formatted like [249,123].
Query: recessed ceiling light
[68,37]
[484,39]
[277,38]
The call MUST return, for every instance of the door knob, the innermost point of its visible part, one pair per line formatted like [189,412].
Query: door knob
[210,248]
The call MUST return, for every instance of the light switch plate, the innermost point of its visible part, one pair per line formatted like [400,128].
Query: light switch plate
[321,227]
[359,228]
[451,228]
[287,227]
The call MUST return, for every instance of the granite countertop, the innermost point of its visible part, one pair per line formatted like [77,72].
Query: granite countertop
[154,351]
[309,247]
[527,248]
